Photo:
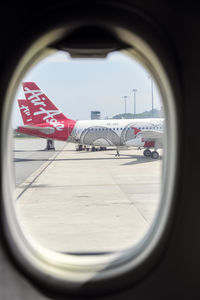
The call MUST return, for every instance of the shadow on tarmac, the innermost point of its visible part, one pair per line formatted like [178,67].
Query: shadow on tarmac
[24,151]
[137,159]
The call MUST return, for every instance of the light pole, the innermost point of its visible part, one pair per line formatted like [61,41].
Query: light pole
[151,92]
[134,92]
[125,97]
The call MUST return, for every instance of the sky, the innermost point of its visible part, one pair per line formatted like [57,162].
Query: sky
[78,86]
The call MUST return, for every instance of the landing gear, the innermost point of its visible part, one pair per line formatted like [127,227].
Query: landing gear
[154,155]
[147,152]
[79,147]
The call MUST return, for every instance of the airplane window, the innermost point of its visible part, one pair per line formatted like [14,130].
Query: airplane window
[70,197]
[83,193]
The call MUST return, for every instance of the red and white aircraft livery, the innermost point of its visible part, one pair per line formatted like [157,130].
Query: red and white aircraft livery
[43,119]
[25,111]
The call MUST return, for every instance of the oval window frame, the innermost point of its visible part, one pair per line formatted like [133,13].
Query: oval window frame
[90,274]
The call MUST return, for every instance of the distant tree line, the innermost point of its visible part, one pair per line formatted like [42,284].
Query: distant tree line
[146,114]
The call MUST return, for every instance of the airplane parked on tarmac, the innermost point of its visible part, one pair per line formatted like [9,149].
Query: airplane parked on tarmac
[43,119]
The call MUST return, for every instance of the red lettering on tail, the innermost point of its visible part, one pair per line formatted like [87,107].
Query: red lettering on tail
[47,121]
[41,107]
[25,112]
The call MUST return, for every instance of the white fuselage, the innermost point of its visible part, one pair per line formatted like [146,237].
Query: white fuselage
[115,132]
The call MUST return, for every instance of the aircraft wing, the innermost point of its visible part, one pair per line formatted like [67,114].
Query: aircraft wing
[46,130]
[150,134]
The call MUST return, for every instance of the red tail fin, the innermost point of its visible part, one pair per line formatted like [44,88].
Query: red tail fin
[25,112]
[41,108]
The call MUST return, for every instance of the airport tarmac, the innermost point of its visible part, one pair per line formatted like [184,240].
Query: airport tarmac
[29,155]
[79,201]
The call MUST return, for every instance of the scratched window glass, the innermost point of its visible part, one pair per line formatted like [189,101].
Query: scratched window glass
[87,152]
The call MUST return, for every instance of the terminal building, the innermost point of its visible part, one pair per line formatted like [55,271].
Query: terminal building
[95,115]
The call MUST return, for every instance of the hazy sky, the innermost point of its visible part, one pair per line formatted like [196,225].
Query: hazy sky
[78,86]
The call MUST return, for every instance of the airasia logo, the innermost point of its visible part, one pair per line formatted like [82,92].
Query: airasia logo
[26,111]
[49,115]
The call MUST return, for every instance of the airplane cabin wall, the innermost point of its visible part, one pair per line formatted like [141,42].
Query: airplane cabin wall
[177,274]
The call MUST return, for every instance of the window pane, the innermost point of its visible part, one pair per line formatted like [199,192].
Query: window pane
[74,192]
